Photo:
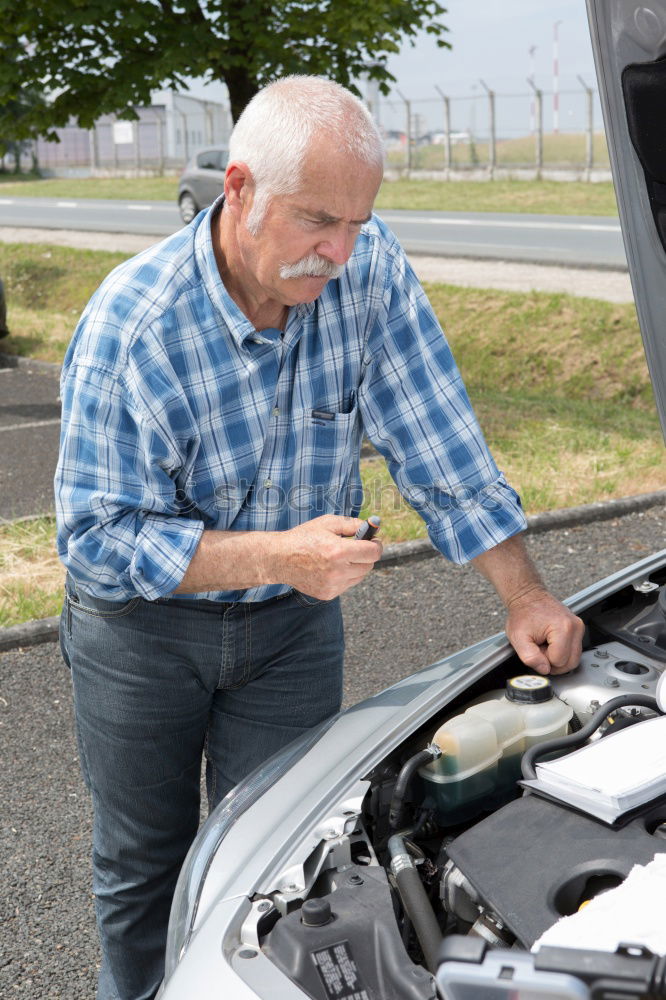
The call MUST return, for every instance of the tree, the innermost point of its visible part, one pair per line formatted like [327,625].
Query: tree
[15,112]
[96,57]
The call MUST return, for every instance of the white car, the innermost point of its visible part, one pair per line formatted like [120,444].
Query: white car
[392,853]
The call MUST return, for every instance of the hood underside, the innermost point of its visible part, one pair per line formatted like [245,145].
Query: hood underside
[629,43]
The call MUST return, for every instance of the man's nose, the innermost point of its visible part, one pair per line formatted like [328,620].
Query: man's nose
[337,246]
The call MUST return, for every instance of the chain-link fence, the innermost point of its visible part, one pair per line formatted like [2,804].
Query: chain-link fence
[484,133]
[495,132]
[162,138]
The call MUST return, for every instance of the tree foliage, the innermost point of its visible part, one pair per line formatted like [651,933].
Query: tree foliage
[95,57]
[16,115]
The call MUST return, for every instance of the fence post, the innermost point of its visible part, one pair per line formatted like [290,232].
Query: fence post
[92,144]
[408,115]
[447,130]
[589,133]
[183,118]
[136,134]
[492,149]
[114,145]
[538,134]
[160,143]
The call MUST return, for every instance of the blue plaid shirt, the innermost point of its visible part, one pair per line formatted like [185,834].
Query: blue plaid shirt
[179,416]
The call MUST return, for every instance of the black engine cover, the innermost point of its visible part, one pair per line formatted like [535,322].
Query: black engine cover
[534,861]
[358,953]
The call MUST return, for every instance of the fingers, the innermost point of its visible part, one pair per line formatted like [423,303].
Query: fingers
[366,552]
[531,654]
[546,636]
[339,524]
[566,646]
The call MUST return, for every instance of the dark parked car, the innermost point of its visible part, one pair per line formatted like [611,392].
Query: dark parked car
[202,181]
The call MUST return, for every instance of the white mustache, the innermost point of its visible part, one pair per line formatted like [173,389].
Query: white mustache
[311,266]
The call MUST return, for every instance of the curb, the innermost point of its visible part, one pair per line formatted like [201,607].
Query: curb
[29,364]
[600,510]
[29,634]
[46,630]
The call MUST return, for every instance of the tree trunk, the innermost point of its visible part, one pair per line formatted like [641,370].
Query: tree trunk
[242,89]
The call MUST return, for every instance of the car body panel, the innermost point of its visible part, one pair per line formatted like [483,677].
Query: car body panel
[274,841]
[203,177]
[626,32]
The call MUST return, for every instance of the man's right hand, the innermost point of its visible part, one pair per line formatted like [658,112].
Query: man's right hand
[321,558]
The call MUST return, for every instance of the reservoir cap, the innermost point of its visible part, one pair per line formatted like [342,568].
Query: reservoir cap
[529,689]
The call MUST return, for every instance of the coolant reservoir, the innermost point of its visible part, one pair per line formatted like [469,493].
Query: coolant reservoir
[545,715]
[482,747]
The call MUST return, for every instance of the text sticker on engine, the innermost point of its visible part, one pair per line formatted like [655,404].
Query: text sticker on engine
[339,973]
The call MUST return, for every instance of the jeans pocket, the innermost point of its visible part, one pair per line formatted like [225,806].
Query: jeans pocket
[65,630]
[305,600]
[95,607]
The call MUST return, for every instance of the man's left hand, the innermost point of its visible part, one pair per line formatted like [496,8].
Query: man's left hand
[544,633]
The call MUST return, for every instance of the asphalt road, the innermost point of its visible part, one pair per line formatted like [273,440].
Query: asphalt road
[579,241]
[29,434]
[397,620]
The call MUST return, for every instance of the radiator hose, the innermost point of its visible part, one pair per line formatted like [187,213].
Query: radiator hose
[415,900]
[407,772]
[577,739]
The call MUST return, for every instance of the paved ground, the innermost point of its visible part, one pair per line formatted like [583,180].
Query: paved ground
[398,620]
[29,431]
[614,286]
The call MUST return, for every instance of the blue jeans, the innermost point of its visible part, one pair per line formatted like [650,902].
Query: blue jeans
[156,685]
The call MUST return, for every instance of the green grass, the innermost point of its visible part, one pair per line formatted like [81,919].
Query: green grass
[539,197]
[559,384]
[130,188]
[549,197]
[47,288]
[563,150]
[31,577]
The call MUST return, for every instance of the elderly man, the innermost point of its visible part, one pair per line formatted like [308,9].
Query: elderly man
[214,399]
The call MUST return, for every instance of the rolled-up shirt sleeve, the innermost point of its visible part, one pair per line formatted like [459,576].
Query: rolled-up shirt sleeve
[417,413]
[123,529]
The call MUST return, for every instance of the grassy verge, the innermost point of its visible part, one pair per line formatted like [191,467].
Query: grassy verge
[47,288]
[127,188]
[31,576]
[559,383]
[549,197]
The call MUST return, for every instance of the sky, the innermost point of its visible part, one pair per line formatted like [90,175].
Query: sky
[491,41]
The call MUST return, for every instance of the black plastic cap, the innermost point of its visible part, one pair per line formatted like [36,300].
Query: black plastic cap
[316,912]
[529,689]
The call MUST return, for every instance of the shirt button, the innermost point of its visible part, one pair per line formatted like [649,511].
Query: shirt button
[276,411]
[268,483]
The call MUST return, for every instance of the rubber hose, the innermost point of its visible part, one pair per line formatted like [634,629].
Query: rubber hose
[577,739]
[415,902]
[402,784]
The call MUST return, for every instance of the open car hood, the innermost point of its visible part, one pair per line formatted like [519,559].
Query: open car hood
[629,43]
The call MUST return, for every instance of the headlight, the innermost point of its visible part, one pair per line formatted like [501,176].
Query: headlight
[212,833]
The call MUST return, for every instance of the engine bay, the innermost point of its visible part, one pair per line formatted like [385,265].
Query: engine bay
[447,842]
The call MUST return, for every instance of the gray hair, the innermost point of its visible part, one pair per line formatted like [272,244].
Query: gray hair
[275,129]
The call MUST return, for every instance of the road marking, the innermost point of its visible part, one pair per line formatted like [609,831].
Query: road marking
[31,424]
[6,201]
[486,223]
[140,208]
[67,204]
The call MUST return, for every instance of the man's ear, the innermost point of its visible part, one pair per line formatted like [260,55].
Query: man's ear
[238,187]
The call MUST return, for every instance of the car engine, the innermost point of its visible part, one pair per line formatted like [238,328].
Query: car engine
[448,842]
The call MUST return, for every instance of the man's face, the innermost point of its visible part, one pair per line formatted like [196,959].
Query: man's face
[311,231]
